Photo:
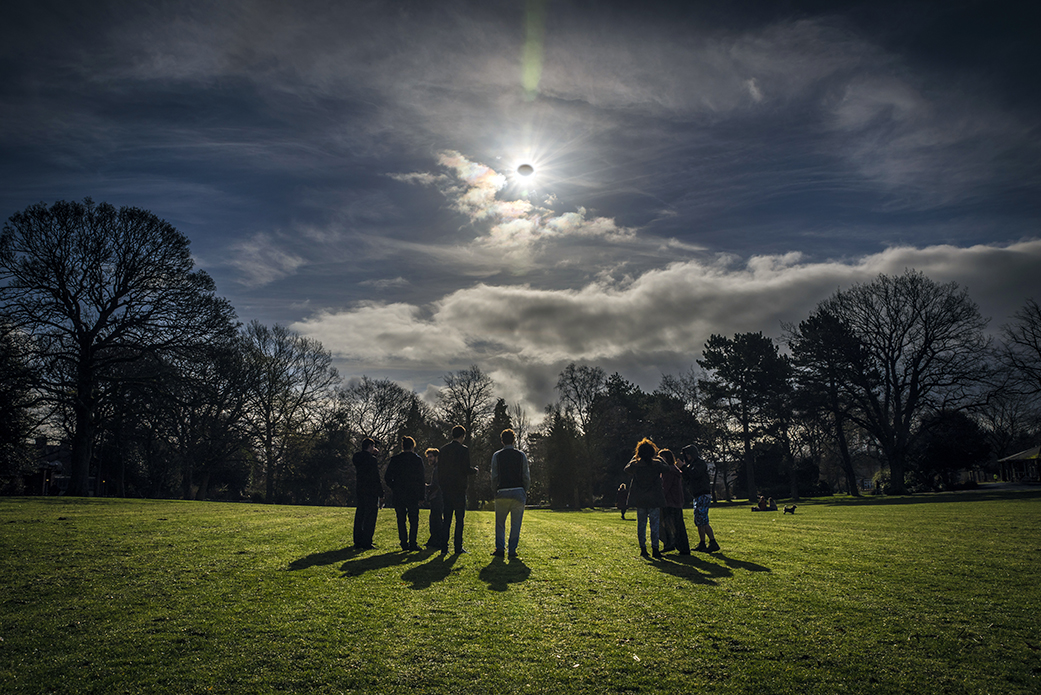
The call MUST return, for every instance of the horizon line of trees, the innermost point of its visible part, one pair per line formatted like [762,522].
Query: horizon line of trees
[112,341]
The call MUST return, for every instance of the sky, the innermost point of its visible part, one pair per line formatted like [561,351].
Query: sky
[349,169]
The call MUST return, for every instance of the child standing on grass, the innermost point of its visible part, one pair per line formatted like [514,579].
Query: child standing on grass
[645,493]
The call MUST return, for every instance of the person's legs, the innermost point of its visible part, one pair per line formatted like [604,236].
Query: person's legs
[365,521]
[667,529]
[641,528]
[413,524]
[681,540]
[437,520]
[654,515]
[502,508]
[516,517]
[401,513]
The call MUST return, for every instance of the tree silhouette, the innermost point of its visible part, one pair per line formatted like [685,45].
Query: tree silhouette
[97,287]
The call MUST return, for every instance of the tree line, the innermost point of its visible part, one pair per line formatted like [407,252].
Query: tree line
[112,341]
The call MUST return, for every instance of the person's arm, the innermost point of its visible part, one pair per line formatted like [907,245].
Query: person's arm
[495,471]
[525,472]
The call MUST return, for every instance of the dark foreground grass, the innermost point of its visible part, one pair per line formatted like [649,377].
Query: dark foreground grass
[933,594]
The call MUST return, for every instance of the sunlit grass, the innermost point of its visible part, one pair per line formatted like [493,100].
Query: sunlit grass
[927,594]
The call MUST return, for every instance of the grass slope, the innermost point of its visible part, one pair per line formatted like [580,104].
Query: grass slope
[931,594]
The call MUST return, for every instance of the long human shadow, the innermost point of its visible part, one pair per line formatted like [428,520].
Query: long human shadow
[499,574]
[354,568]
[693,568]
[329,557]
[434,570]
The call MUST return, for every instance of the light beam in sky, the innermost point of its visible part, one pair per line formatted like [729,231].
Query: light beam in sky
[531,59]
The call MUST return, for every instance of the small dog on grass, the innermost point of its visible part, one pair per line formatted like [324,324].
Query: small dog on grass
[790,509]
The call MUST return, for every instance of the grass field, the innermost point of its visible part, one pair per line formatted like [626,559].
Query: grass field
[927,594]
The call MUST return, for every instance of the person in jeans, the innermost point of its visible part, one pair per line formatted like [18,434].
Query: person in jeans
[645,493]
[511,480]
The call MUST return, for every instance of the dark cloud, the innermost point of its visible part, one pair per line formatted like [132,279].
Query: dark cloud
[348,168]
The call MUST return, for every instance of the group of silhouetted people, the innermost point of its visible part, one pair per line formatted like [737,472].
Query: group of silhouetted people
[656,490]
[442,483]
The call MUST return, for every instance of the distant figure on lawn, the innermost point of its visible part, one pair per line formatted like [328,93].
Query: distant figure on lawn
[673,528]
[369,491]
[701,487]
[621,499]
[645,493]
[511,479]
[406,478]
[434,499]
[453,471]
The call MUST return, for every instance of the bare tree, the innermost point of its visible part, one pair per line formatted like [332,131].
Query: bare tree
[294,375]
[98,287]
[377,408]
[1022,350]
[579,388]
[467,399]
[924,349]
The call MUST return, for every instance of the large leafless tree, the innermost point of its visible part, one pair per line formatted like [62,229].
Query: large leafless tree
[294,377]
[924,350]
[97,287]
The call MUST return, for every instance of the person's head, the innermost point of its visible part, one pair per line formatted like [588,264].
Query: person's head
[508,437]
[368,444]
[646,449]
[691,452]
[667,456]
[458,432]
[432,453]
[408,443]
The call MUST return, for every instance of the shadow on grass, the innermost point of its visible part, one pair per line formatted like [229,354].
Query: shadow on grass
[353,568]
[500,574]
[435,570]
[692,568]
[329,557]
[700,570]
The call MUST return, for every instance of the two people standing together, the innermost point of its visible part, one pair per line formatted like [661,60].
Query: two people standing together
[450,469]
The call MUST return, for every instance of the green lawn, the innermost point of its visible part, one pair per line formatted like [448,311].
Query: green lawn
[927,594]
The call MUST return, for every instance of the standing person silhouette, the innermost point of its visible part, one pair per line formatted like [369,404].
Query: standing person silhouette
[369,492]
[511,479]
[405,477]
[701,487]
[453,471]
[645,493]
[434,499]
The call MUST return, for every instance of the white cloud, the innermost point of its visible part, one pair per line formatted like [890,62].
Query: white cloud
[260,260]
[656,323]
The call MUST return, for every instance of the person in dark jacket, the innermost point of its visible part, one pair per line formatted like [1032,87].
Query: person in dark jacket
[645,493]
[434,499]
[696,471]
[453,471]
[369,492]
[405,477]
[511,479]
[673,528]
